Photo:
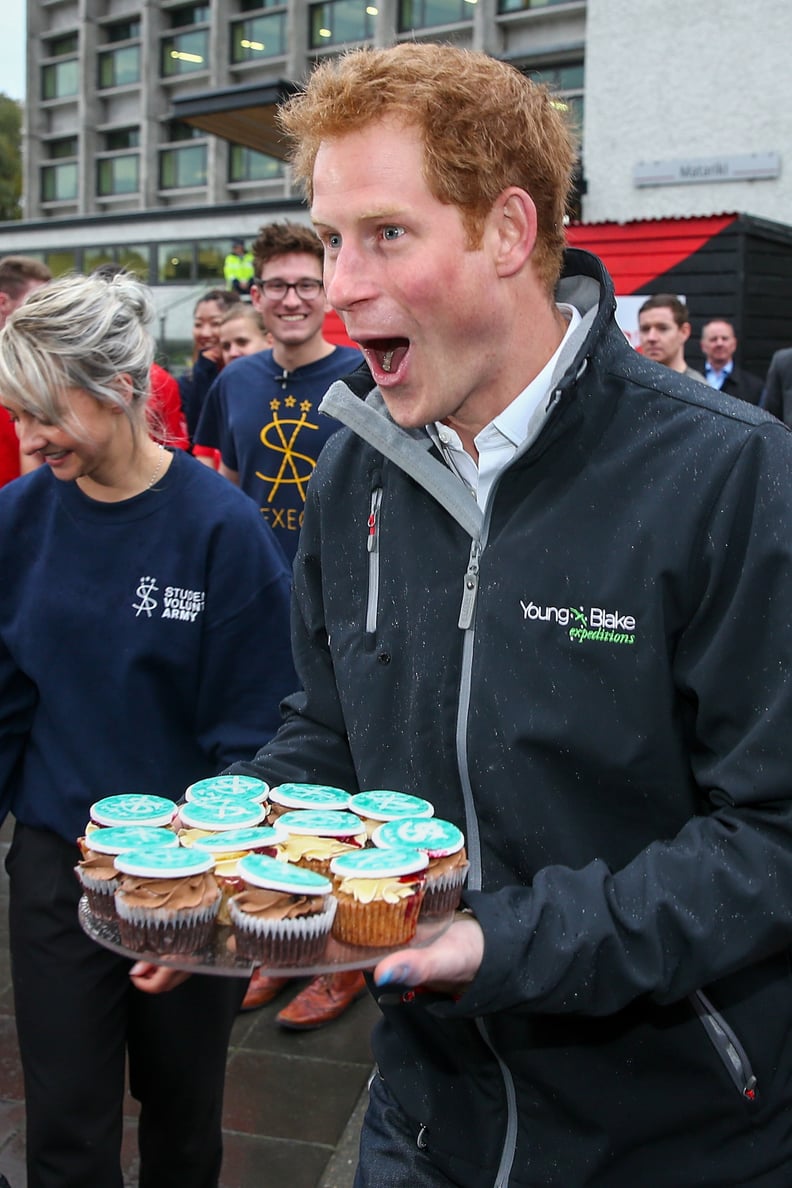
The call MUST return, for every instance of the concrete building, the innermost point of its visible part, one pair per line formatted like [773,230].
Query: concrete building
[150,139]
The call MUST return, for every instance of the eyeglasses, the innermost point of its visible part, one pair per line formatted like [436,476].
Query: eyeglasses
[307,287]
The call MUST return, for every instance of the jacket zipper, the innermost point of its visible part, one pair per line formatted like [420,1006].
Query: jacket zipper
[372,545]
[470,587]
[726,1044]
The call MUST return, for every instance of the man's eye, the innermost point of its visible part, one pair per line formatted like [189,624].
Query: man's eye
[333,241]
[392,232]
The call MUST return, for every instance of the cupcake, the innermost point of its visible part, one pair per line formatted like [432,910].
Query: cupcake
[231,812]
[444,846]
[166,901]
[226,849]
[379,893]
[246,787]
[317,797]
[96,870]
[312,838]
[283,915]
[378,806]
[132,809]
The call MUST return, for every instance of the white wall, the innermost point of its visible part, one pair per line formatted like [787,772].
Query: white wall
[670,79]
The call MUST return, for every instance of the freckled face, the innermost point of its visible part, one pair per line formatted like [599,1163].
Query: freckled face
[398,269]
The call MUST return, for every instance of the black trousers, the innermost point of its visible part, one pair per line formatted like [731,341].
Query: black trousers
[79,1017]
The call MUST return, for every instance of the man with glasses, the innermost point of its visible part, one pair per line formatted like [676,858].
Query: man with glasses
[262,414]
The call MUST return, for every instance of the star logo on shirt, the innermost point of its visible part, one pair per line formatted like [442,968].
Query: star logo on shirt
[290,402]
[306,406]
[275,405]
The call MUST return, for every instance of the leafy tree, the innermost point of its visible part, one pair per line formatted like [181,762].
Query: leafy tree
[10,158]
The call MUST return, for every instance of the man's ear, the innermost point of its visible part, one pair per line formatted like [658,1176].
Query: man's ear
[515,224]
[685,329]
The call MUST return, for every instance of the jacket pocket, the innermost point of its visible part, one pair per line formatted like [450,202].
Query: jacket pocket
[731,1052]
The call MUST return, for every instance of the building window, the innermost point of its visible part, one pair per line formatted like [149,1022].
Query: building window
[183,167]
[188,14]
[174,262]
[258,37]
[426,14]
[566,81]
[522,5]
[185,53]
[117,175]
[64,146]
[59,183]
[122,138]
[210,261]
[59,47]
[119,67]
[122,30]
[131,257]
[179,130]
[245,165]
[61,261]
[60,79]
[339,21]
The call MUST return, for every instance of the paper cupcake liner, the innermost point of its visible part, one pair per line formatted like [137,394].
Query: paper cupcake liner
[281,942]
[443,894]
[377,924]
[99,894]
[160,930]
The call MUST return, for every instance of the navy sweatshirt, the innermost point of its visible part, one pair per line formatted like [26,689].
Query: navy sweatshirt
[143,644]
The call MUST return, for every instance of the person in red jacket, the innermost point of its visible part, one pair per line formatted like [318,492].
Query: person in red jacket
[19,275]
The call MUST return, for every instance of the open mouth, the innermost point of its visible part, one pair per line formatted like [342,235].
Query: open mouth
[386,354]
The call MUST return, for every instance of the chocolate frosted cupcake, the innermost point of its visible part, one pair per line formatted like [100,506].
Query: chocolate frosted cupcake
[245,787]
[379,895]
[133,809]
[378,806]
[167,900]
[315,797]
[312,838]
[283,915]
[96,871]
[444,845]
[226,849]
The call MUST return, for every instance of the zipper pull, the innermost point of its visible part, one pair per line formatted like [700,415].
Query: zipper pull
[470,588]
[376,499]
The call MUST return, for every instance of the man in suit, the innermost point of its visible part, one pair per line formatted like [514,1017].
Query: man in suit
[777,395]
[718,344]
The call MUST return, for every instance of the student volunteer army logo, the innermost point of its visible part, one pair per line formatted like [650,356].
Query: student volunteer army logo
[595,625]
[175,603]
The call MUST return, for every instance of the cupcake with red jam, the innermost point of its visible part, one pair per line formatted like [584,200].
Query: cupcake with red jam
[283,915]
[226,849]
[96,870]
[379,894]
[444,845]
[376,807]
[312,837]
[166,901]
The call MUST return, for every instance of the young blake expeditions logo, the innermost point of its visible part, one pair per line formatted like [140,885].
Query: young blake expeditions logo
[176,602]
[291,467]
[596,625]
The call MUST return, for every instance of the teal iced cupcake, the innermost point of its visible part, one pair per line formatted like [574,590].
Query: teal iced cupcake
[218,787]
[379,894]
[315,797]
[166,901]
[283,915]
[96,871]
[133,809]
[381,805]
[227,848]
[444,845]
[197,819]
[312,837]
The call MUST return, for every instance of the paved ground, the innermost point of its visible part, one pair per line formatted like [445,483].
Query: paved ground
[293,1099]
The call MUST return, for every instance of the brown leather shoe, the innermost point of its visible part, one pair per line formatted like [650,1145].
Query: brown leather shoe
[322,1000]
[261,990]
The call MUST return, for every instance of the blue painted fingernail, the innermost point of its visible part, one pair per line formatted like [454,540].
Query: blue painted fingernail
[396,974]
